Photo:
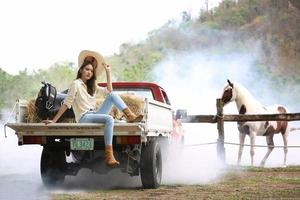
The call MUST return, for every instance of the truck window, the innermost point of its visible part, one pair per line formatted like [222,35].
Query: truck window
[167,101]
[140,92]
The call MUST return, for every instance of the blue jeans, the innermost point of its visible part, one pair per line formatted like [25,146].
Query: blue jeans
[102,116]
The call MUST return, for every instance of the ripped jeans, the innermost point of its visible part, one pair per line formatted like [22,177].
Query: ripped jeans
[102,116]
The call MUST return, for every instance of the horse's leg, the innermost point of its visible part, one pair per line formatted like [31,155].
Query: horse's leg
[252,143]
[285,149]
[270,143]
[242,141]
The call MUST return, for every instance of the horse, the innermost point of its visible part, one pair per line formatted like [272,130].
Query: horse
[247,104]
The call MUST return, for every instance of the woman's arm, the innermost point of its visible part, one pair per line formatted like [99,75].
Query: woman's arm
[67,104]
[60,112]
[108,77]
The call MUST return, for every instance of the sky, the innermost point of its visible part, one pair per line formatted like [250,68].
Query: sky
[36,34]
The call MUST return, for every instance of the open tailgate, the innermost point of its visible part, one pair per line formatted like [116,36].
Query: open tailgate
[73,129]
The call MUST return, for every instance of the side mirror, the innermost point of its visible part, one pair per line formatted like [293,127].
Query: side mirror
[180,114]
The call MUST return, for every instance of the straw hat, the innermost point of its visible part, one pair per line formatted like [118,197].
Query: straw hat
[99,58]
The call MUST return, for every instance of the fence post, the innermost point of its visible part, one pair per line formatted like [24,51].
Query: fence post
[220,126]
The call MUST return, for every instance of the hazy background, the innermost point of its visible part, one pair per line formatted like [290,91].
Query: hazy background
[192,73]
[194,81]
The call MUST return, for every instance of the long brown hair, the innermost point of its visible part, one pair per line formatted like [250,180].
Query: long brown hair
[91,83]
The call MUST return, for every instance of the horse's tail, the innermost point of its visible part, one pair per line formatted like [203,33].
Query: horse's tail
[294,129]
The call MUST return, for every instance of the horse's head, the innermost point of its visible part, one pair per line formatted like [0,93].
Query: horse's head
[229,93]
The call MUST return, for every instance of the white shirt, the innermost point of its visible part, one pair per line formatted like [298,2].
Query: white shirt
[80,100]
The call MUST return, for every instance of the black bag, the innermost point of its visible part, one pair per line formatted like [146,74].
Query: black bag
[60,97]
[49,101]
[45,100]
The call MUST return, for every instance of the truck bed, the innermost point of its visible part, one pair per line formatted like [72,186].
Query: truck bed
[157,122]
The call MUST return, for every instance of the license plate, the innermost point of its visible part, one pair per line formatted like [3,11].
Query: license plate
[82,144]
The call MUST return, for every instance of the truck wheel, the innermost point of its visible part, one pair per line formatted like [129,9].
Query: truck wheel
[164,148]
[53,167]
[151,165]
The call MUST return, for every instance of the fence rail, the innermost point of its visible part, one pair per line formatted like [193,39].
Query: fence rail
[236,118]
[220,118]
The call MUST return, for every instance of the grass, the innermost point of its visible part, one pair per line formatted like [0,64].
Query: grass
[236,183]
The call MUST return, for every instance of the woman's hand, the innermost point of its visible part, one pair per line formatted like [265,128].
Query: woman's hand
[106,67]
[108,77]
[48,121]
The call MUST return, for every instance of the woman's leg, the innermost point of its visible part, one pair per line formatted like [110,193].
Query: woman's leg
[110,100]
[108,134]
[101,118]
[114,99]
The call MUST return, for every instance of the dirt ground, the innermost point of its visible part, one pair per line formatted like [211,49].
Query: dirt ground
[235,183]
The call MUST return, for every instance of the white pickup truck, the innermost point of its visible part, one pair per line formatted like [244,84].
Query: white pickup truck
[136,145]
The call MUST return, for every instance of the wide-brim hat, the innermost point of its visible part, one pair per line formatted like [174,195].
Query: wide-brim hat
[99,58]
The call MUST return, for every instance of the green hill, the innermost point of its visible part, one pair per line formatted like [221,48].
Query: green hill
[276,23]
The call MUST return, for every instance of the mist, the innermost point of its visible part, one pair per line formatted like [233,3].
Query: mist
[19,166]
[194,80]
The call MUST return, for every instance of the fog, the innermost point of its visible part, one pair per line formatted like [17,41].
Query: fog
[19,169]
[193,81]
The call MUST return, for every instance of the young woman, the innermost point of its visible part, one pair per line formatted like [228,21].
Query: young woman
[82,98]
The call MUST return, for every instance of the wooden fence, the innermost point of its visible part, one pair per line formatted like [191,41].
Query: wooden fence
[220,118]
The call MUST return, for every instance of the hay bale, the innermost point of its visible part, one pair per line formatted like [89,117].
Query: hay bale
[32,116]
[135,104]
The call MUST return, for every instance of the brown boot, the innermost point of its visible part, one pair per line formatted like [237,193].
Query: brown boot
[109,156]
[131,117]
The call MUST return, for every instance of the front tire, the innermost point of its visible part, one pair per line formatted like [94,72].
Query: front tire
[53,167]
[151,165]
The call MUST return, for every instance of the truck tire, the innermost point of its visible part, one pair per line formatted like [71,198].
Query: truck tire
[164,148]
[53,167]
[151,165]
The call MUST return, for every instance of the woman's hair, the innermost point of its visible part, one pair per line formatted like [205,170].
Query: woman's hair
[91,83]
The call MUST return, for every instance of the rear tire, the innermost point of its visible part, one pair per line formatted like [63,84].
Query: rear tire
[151,165]
[53,167]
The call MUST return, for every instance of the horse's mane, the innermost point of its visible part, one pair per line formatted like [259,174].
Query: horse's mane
[249,99]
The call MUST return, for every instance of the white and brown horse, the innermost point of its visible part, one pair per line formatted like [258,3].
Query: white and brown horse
[247,104]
